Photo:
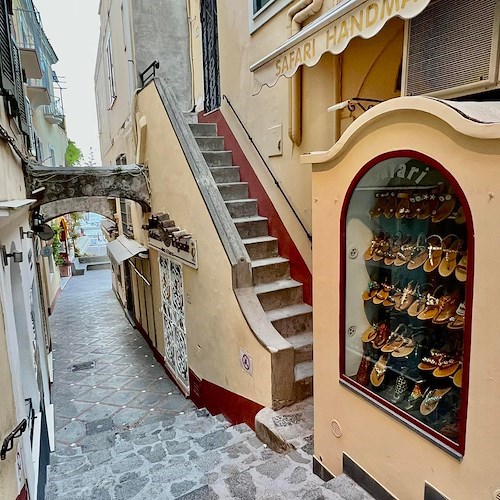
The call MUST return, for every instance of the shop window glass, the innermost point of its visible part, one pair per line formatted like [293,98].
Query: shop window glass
[407,295]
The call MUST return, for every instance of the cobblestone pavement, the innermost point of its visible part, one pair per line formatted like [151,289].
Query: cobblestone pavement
[124,431]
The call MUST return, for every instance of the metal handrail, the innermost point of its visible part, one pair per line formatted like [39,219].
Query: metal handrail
[276,182]
[152,69]
[8,442]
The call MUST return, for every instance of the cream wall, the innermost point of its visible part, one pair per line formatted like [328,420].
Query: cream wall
[50,135]
[216,328]
[397,457]
[51,281]
[8,481]
[369,69]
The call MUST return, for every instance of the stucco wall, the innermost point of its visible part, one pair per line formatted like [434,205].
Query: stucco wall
[369,69]
[395,455]
[216,328]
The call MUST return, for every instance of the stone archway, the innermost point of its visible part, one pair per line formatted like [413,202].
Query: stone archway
[49,185]
[95,204]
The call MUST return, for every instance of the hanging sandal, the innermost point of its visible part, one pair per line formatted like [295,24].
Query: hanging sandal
[431,305]
[418,305]
[457,321]
[434,252]
[380,203]
[408,296]
[446,308]
[445,209]
[447,366]
[415,203]
[432,399]
[371,291]
[419,253]
[378,373]
[450,250]
[461,269]
[429,206]
[395,339]
[391,206]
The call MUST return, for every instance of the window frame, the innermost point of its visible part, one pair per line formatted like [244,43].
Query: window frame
[108,49]
[256,19]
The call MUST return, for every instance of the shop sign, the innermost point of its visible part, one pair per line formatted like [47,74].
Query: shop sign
[332,33]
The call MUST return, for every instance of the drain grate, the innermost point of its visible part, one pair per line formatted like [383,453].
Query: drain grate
[86,365]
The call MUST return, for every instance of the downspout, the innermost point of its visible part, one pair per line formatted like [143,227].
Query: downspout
[337,94]
[297,14]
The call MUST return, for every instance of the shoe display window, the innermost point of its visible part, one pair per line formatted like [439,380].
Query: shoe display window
[406,277]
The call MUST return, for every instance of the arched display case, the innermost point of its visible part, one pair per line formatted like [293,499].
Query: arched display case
[406,293]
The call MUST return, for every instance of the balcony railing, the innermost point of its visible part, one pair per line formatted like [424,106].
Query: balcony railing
[54,112]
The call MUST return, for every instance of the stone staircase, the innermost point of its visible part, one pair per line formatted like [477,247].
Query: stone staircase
[192,456]
[281,296]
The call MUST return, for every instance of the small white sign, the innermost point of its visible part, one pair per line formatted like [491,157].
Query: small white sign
[246,362]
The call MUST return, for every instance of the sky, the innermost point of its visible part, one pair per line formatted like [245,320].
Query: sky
[72,26]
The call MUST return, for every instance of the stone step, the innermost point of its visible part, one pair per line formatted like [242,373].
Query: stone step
[218,158]
[165,459]
[233,190]
[270,269]
[303,386]
[203,129]
[279,293]
[251,227]
[192,424]
[291,320]
[223,175]
[210,143]
[261,247]
[191,117]
[303,346]
[242,208]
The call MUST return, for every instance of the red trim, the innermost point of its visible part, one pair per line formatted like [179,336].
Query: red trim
[298,268]
[460,447]
[23,495]
[216,399]
[52,306]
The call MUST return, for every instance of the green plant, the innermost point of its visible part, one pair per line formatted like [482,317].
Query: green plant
[56,245]
[73,154]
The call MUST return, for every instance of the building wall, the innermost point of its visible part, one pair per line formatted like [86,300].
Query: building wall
[368,69]
[51,136]
[211,305]
[396,456]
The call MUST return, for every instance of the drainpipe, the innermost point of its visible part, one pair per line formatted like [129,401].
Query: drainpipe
[297,14]
[337,94]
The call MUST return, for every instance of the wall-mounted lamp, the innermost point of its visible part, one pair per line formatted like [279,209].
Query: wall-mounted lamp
[23,233]
[17,256]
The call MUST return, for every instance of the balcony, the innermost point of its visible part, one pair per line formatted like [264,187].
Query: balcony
[54,112]
[30,61]
[37,93]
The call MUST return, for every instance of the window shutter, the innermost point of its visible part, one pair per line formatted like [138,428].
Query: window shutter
[6,66]
[19,89]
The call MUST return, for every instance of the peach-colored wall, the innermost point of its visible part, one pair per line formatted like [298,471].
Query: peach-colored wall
[216,327]
[397,457]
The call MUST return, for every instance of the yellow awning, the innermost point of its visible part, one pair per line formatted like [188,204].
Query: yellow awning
[331,32]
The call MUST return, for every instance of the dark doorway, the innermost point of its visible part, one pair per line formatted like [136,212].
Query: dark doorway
[210,54]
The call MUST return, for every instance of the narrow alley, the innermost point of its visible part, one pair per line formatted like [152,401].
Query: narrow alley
[124,430]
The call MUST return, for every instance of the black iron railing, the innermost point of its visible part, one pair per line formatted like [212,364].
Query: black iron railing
[8,442]
[149,73]
[276,182]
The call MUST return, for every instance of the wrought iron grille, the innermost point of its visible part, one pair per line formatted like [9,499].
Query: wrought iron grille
[174,326]
[210,54]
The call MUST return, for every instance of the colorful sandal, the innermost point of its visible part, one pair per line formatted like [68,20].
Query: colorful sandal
[382,336]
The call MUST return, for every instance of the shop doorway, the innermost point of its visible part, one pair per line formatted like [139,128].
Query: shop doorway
[210,54]
[174,321]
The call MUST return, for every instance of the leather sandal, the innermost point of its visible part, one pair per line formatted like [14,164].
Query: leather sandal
[461,269]
[378,373]
[369,334]
[457,378]
[403,206]
[371,291]
[391,206]
[457,321]
[398,240]
[450,250]
[431,305]
[430,363]
[382,336]
[429,208]
[419,253]
[419,304]
[446,308]
[383,293]
[460,216]
[415,204]
[415,398]
[447,366]
[434,252]
[431,400]
[445,209]
[405,349]
[374,244]
[395,339]
[408,296]
[380,203]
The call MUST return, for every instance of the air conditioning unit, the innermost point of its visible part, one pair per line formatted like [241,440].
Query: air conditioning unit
[452,49]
